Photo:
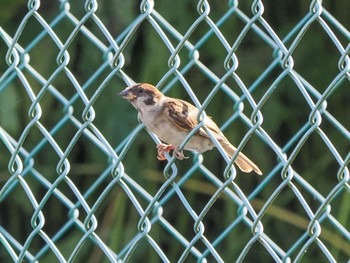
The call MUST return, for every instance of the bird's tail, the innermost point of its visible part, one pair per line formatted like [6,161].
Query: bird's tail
[242,161]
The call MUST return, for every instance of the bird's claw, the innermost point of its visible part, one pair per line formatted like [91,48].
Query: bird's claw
[162,148]
[179,154]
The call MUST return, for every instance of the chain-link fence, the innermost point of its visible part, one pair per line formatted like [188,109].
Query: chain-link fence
[79,176]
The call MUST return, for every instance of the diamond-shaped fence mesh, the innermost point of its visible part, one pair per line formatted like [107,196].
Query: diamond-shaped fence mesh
[79,177]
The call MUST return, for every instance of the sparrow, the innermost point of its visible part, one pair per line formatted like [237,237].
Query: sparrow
[173,119]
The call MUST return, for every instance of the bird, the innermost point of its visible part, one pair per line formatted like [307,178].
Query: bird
[173,119]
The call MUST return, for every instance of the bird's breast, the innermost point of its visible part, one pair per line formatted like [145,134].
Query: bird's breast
[163,128]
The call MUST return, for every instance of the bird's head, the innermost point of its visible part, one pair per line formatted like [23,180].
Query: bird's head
[142,96]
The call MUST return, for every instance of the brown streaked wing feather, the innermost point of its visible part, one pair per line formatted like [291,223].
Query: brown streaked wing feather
[181,114]
[211,125]
[184,116]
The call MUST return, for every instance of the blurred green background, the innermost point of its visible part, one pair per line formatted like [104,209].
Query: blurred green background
[316,60]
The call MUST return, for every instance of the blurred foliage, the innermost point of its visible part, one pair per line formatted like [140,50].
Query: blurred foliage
[284,114]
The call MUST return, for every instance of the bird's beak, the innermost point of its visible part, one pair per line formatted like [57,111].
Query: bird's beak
[126,94]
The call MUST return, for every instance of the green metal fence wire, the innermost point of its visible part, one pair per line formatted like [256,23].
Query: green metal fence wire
[157,208]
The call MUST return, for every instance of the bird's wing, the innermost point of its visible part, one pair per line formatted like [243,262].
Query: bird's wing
[184,116]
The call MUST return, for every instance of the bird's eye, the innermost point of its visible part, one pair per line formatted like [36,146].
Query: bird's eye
[141,90]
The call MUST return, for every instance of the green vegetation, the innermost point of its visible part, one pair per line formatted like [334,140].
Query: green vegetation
[285,113]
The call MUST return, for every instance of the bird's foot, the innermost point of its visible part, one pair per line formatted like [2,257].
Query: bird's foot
[179,154]
[161,148]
